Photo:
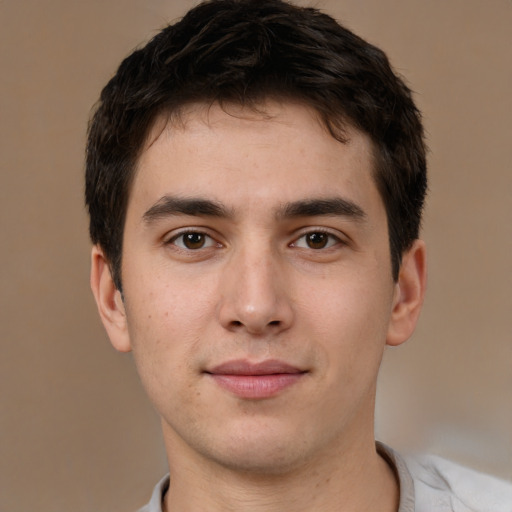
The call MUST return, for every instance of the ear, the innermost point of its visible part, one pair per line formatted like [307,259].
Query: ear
[409,294]
[109,301]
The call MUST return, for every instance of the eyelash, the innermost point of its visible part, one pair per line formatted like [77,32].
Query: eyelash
[332,240]
[207,241]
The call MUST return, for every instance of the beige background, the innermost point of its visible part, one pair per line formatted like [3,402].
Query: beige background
[76,431]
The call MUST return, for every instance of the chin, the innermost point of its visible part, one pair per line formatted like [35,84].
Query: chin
[265,453]
[261,463]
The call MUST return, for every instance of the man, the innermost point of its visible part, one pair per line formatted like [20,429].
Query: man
[255,180]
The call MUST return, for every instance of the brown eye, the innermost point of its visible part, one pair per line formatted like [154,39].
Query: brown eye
[317,240]
[192,240]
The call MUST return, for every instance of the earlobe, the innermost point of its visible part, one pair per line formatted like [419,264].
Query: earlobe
[109,301]
[409,294]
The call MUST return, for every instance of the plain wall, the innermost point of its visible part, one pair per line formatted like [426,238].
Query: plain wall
[76,431]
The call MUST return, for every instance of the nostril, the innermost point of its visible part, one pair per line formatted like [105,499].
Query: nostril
[238,323]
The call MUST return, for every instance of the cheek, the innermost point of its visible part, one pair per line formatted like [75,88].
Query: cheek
[167,319]
[349,321]
[357,303]
[167,303]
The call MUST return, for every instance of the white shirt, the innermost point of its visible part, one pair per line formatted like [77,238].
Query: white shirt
[427,484]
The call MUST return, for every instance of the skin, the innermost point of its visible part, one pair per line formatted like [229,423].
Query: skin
[261,278]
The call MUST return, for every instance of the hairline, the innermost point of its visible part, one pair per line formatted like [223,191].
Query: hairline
[175,116]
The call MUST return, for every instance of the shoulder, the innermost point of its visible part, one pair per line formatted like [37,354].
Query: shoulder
[443,485]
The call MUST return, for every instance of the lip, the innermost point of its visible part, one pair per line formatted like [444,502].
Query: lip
[255,381]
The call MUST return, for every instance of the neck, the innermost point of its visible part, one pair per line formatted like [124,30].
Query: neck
[351,479]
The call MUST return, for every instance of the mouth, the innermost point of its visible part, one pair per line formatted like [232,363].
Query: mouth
[255,381]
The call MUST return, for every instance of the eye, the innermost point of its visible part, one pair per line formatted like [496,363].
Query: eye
[316,240]
[193,240]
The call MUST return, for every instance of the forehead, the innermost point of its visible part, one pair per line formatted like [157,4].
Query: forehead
[280,149]
[279,111]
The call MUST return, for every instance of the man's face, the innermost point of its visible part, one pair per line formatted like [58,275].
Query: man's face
[257,286]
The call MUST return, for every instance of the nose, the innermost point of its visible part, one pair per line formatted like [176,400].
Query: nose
[254,296]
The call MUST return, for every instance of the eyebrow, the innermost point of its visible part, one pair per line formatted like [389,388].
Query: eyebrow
[172,205]
[198,207]
[336,206]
